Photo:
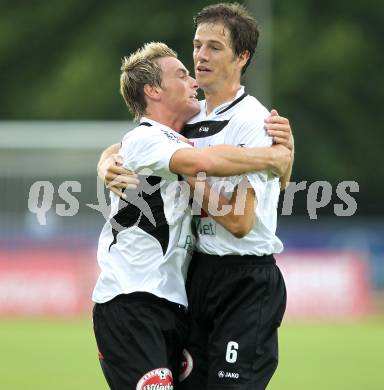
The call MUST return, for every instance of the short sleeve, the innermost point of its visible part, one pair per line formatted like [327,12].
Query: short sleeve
[151,148]
[249,132]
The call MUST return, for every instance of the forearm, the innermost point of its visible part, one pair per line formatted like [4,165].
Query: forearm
[103,165]
[113,149]
[221,160]
[284,180]
[228,160]
[237,215]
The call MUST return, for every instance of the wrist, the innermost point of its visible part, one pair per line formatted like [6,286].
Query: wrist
[272,159]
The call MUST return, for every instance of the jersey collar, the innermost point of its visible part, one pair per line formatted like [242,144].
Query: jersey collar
[144,121]
[225,106]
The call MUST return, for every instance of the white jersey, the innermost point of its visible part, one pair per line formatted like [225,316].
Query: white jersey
[239,122]
[146,244]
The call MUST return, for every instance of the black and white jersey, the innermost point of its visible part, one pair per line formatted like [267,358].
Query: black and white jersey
[146,244]
[239,122]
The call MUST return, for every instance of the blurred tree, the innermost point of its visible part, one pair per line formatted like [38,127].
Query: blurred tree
[61,60]
[327,78]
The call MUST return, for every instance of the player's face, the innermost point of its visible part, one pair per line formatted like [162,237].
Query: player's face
[179,89]
[216,64]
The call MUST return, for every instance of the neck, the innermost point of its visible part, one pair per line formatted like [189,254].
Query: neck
[216,97]
[166,118]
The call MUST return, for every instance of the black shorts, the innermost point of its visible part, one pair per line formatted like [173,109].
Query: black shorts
[236,305]
[140,339]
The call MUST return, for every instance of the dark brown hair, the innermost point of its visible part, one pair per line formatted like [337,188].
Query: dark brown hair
[240,23]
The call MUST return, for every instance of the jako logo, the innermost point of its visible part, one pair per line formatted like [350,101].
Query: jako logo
[222,374]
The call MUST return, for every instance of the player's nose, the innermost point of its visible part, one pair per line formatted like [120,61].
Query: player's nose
[193,83]
[201,55]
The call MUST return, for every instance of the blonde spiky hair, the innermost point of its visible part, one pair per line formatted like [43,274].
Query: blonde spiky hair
[141,68]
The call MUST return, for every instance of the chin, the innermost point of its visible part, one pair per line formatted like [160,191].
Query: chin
[194,110]
[200,81]
[203,84]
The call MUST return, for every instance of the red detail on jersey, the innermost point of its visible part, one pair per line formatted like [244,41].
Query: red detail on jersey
[100,355]
[157,379]
[186,365]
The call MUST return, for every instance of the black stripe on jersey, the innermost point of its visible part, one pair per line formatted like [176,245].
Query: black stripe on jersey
[203,129]
[145,124]
[141,202]
[239,99]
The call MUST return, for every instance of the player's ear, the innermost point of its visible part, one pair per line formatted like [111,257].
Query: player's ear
[243,58]
[152,91]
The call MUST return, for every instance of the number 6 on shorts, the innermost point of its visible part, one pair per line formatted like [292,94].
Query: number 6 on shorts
[231,355]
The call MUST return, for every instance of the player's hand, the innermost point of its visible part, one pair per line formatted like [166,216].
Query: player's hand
[282,157]
[115,177]
[191,180]
[279,129]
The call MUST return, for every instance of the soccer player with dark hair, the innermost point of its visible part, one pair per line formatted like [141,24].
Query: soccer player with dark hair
[236,292]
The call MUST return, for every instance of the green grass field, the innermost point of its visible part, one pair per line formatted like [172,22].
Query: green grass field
[53,355]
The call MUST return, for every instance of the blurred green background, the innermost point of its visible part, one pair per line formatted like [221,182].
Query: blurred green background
[319,63]
[61,59]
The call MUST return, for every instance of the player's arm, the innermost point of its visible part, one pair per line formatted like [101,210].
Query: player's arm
[284,180]
[108,158]
[221,160]
[280,130]
[113,174]
[228,160]
[240,216]
[237,215]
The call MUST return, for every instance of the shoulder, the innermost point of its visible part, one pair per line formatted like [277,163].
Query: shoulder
[140,132]
[151,134]
[148,139]
[249,112]
[246,125]
[168,134]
